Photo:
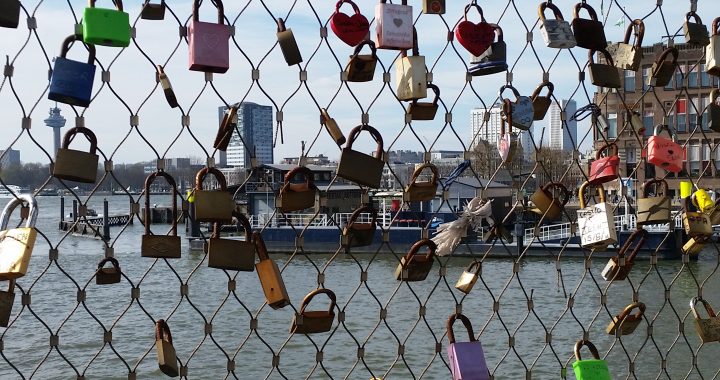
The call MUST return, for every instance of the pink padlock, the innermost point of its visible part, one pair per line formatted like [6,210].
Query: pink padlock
[604,169]
[209,45]
[665,153]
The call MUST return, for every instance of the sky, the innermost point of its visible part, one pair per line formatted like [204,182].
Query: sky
[133,76]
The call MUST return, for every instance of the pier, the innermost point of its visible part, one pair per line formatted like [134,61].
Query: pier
[83,224]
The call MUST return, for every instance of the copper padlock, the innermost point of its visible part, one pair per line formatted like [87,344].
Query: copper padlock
[422,191]
[232,254]
[359,167]
[469,277]
[332,127]
[160,246]
[618,267]
[212,205]
[105,276]
[76,165]
[152,11]
[654,210]
[541,104]
[7,298]
[696,33]
[315,321]
[663,70]
[708,329]
[356,234]
[414,267]
[164,81]
[547,204]
[287,43]
[627,56]
[226,129]
[297,196]
[361,67]
[270,278]
[625,323]
[589,33]
[603,74]
[166,357]
[425,110]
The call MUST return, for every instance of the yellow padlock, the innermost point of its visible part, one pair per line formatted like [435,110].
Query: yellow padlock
[701,199]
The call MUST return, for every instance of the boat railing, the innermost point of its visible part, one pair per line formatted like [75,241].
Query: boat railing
[622,223]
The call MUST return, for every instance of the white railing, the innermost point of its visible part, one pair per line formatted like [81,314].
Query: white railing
[321,220]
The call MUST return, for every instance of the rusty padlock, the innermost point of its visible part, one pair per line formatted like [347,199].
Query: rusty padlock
[152,11]
[555,32]
[541,104]
[356,234]
[605,169]
[105,276]
[297,196]
[270,277]
[708,328]
[603,74]
[414,267]
[547,204]
[361,67]
[589,33]
[288,45]
[164,81]
[7,298]
[469,277]
[625,323]
[627,56]
[696,33]
[226,129]
[422,191]
[359,167]
[160,246]
[76,165]
[332,127]
[618,267]
[212,205]
[232,254]
[696,223]
[315,321]
[713,110]
[166,357]
[425,110]
[654,210]
[663,70]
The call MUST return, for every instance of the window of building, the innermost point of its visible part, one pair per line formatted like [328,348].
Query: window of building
[693,158]
[692,77]
[629,80]
[645,74]
[704,102]
[704,76]
[680,75]
[681,116]
[706,163]
[649,121]
[612,123]
[692,113]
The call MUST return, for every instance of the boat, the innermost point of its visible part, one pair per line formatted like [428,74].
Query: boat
[9,191]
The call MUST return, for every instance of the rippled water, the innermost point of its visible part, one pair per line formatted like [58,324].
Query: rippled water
[54,307]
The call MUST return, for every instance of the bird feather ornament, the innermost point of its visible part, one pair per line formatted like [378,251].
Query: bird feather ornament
[448,235]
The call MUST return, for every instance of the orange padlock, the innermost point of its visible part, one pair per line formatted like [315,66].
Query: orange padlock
[665,153]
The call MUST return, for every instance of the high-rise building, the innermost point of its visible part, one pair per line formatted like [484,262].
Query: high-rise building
[481,130]
[559,136]
[10,157]
[255,123]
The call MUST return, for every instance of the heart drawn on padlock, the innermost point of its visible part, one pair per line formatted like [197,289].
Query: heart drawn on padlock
[398,22]
[475,38]
[523,112]
[350,29]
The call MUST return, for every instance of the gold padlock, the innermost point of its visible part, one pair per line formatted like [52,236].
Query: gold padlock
[160,246]
[226,129]
[212,205]
[625,323]
[541,104]
[425,110]
[297,196]
[359,167]
[287,43]
[603,74]
[694,245]
[618,267]
[315,321]
[270,278]
[696,223]
[231,254]
[357,234]
[414,267]
[105,276]
[708,329]
[547,204]
[332,127]
[469,277]
[422,191]
[361,67]
[411,75]
[166,357]
[76,165]
[16,244]
[164,81]
[7,298]
[654,210]
[627,56]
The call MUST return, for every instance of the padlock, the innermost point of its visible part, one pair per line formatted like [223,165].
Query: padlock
[7,298]
[713,110]
[709,328]
[288,45]
[297,196]
[467,359]
[72,81]
[433,7]
[270,278]
[555,32]
[627,56]
[663,71]
[596,223]
[232,254]
[605,169]
[410,73]
[209,43]
[422,191]
[315,321]
[160,246]
[522,109]
[541,104]
[332,127]
[603,74]
[589,33]
[212,205]
[474,37]
[626,322]
[414,267]
[590,369]
[164,81]
[106,276]
[359,167]
[664,152]
[694,246]
[152,11]
[425,110]
[654,210]
[76,165]
[635,122]
[696,33]
[350,29]
[469,277]
[507,139]
[361,67]
[394,26]
[702,201]
[712,51]
[356,234]
[619,267]
[166,357]
[547,204]
[16,244]
[9,13]
[696,223]
[226,129]
[107,27]
[493,60]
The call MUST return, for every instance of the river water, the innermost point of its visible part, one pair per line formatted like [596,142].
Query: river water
[665,289]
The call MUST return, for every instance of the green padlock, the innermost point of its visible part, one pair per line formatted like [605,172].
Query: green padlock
[108,27]
[593,369]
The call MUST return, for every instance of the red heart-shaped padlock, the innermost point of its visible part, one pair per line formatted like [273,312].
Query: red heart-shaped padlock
[475,38]
[350,29]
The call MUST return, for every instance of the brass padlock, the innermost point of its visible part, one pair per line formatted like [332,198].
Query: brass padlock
[359,167]
[708,329]
[625,55]
[9,13]
[164,81]
[547,204]
[654,210]
[16,244]
[288,45]
[422,191]
[414,267]
[297,196]
[625,323]
[541,104]
[696,223]
[160,246]
[166,357]
[603,74]
[232,254]
[356,234]
[212,205]
[713,110]
[618,267]
[493,60]
[332,127]
[520,112]
[152,11]
[7,298]
[694,245]
[315,321]
[361,67]
[696,33]
[226,129]
[663,71]
[425,110]
[589,33]
[270,278]
[76,165]
[469,277]
[433,7]
[105,276]
[411,75]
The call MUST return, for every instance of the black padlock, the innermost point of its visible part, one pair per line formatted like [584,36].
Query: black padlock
[663,69]
[494,59]
[589,33]
[713,110]
[9,13]
[603,74]
[111,275]
[153,11]
[696,33]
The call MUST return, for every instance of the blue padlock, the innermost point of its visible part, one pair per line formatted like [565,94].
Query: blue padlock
[72,81]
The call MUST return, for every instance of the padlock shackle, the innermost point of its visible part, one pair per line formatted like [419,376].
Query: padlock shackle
[260,247]
[416,247]
[608,56]
[626,313]
[613,150]
[593,350]
[706,304]
[714,93]
[630,240]
[558,185]
[356,214]
[309,178]
[716,26]
[365,43]
[309,297]
[341,2]
[281,25]
[664,55]
[581,193]
[511,87]
[219,176]
[162,331]
[498,33]
[655,181]
[640,34]
[242,220]
[422,167]
[588,8]
[436,90]
[220,9]
[415,48]
[110,260]
[476,6]
[65,47]
[659,128]
[694,16]
[556,11]
[404,2]
[545,84]
[465,321]
[507,113]
[118,4]
[474,267]
[355,132]
[171,181]
[70,134]
[20,200]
